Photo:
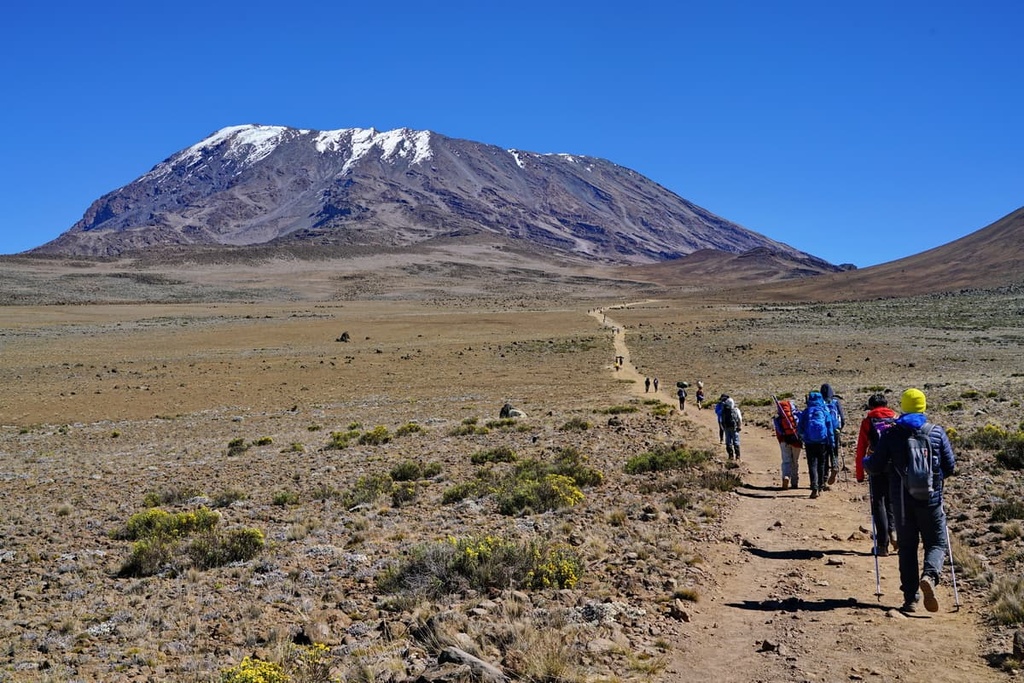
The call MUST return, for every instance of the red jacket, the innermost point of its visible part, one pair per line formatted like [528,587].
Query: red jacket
[864,438]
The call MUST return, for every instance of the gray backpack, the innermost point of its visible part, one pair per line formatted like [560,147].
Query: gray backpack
[918,475]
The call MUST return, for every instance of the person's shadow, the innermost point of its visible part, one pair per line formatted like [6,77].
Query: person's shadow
[800,553]
[795,604]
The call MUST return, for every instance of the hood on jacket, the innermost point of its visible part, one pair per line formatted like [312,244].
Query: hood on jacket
[881,411]
[827,393]
[912,420]
[815,398]
[729,403]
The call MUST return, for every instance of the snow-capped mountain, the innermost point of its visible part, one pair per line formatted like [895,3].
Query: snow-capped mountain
[269,185]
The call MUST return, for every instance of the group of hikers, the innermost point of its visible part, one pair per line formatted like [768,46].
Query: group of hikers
[904,457]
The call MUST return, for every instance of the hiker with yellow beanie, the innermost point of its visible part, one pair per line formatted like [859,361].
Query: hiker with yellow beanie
[919,457]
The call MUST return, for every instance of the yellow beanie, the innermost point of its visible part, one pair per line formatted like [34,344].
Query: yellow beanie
[913,401]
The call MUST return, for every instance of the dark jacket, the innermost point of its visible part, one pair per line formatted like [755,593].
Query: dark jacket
[864,436]
[892,451]
[838,414]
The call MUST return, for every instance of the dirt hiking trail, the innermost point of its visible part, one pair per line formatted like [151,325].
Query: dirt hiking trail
[794,594]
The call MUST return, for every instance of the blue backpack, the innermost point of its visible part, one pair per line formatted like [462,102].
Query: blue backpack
[816,425]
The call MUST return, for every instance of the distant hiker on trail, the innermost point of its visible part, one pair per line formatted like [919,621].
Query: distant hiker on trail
[681,393]
[732,424]
[785,424]
[920,457]
[835,406]
[700,395]
[817,431]
[718,413]
[647,384]
[655,385]
[879,419]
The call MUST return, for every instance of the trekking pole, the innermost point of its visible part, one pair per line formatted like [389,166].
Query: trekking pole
[842,464]
[952,569]
[874,550]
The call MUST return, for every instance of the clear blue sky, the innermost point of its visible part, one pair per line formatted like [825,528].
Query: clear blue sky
[857,131]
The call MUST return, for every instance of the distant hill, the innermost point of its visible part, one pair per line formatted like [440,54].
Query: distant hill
[987,258]
[365,190]
[711,268]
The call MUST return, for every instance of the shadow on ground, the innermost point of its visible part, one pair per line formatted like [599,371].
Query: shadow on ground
[799,553]
[795,604]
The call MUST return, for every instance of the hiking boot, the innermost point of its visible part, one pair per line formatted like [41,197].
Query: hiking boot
[831,478]
[928,591]
[814,493]
[881,551]
[894,543]
[826,487]
[909,606]
[785,483]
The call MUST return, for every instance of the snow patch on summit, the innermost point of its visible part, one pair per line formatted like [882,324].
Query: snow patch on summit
[400,142]
[246,145]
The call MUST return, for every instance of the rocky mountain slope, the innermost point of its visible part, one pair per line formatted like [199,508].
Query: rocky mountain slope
[278,186]
[989,258]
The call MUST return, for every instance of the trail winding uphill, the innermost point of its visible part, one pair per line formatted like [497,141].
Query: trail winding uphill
[794,598]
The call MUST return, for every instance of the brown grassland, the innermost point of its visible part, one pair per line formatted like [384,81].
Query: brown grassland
[392,504]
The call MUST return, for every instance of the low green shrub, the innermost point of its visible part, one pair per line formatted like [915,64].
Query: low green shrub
[720,480]
[157,522]
[496,454]
[367,490]
[408,470]
[756,402]
[408,428]
[1009,446]
[172,543]
[468,427]
[403,492]
[251,670]
[664,458]
[1007,510]
[482,563]
[171,496]
[551,492]
[431,470]
[377,436]
[148,557]
[1007,598]
[575,424]
[285,498]
[619,410]
[507,423]
[227,497]
[216,549]
[459,492]
[237,447]
[340,440]
[263,441]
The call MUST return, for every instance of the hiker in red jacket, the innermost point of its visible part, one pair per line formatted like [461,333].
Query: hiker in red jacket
[878,419]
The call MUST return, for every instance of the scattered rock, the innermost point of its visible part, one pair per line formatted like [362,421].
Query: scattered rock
[482,671]
[678,611]
[1018,644]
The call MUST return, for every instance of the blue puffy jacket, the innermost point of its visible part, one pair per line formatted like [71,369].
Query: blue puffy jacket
[891,455]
